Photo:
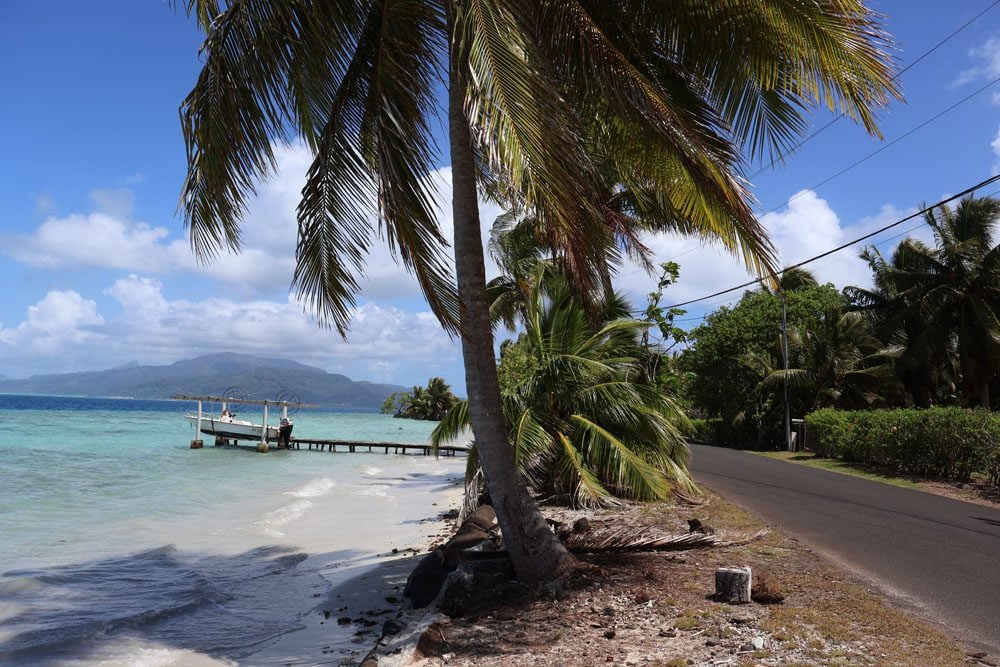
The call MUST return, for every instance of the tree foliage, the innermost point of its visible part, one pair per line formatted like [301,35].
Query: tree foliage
[431,403]
[720,383]
[942,303]
[584,422]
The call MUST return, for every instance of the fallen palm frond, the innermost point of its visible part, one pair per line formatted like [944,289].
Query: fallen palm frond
[682,497]
[634,537]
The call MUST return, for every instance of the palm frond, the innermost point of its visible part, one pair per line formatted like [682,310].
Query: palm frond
[634,537]
[456,422]
[376,149]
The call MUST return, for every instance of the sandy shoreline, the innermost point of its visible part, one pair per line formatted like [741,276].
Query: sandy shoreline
[345,623]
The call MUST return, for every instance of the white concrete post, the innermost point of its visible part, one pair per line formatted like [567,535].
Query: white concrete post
[263,431]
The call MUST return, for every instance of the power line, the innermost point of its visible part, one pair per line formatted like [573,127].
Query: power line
[900,73]
[884,147]
[961,194]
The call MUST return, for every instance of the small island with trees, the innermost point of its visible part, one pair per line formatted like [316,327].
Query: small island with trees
[431,403]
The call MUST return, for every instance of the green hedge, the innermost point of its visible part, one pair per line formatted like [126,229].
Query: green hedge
[936,442]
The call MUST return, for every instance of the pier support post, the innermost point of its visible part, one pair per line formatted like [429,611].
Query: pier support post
[197,444]
[263,448]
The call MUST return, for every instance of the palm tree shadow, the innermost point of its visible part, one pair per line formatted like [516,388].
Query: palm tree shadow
[223,606]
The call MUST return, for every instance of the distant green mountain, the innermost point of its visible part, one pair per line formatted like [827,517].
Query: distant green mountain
[211,374]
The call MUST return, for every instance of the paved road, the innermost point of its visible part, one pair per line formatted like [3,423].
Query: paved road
[938,557]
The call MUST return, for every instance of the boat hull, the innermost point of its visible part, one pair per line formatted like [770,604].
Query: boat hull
[235,428]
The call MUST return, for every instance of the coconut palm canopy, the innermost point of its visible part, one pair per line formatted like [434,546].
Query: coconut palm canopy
[584,421]
[935,300]
[669,94]
[667,97]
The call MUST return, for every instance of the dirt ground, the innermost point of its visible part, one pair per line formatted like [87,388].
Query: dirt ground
[656,609]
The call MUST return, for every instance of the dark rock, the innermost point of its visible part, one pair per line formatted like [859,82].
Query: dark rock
[391,628]
[391,598]
[713,641]
[609,633]
[696,526]
[425,581]
[344,620]
[326,613]
[766,589]
[581,525]
[642,597]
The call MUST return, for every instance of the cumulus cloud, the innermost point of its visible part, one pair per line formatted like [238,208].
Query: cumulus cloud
[61,321]
[806,227]
[110,238]
[987,59]
[64,332]
[93,240]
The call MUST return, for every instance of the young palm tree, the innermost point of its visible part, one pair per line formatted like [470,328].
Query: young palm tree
[584,421]
[838,362]
[669,92]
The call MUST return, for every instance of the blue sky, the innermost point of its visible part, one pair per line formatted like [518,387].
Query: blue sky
[96,267]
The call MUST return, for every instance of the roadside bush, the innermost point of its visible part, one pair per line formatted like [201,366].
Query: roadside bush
[935,442]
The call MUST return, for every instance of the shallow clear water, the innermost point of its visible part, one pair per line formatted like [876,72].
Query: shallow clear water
[115,536]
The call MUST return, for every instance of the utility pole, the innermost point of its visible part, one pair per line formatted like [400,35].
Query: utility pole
[784,353]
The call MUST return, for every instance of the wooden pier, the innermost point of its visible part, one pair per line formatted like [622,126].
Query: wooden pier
[352,446]
[265,435]
[349,446]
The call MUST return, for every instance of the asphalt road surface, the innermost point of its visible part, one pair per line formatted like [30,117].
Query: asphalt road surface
[937,557]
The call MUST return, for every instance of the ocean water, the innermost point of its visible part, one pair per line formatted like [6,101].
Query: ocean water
[120,545]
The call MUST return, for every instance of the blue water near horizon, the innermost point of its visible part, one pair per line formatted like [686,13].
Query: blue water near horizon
[117,539]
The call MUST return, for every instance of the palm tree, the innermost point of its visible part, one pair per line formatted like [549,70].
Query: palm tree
[584,421]
[948,296]
[928,373]
[668,92]
[837,361]
[440,399]
[792,279]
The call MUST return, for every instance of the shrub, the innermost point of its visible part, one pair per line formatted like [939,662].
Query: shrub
[937,442]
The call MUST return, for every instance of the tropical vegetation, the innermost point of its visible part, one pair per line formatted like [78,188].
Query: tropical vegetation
[949,442]
[927,333]
[585,420]
[431,403]
[667,96]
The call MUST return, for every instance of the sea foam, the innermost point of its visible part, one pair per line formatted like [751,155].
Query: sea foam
[314,489]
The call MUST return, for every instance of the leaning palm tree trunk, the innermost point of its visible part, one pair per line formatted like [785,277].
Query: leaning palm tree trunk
[535,551]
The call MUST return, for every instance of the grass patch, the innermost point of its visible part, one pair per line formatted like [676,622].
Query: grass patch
[834,465]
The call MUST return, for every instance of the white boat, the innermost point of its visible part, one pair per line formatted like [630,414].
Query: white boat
[225,426]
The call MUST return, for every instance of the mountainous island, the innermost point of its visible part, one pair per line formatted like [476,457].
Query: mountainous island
[211,374]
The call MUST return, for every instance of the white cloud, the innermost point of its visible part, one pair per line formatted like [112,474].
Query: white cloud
[65,332]
[61,321]
[987,57]
[109,238]
[96,240]
[806,227]
[995,145]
